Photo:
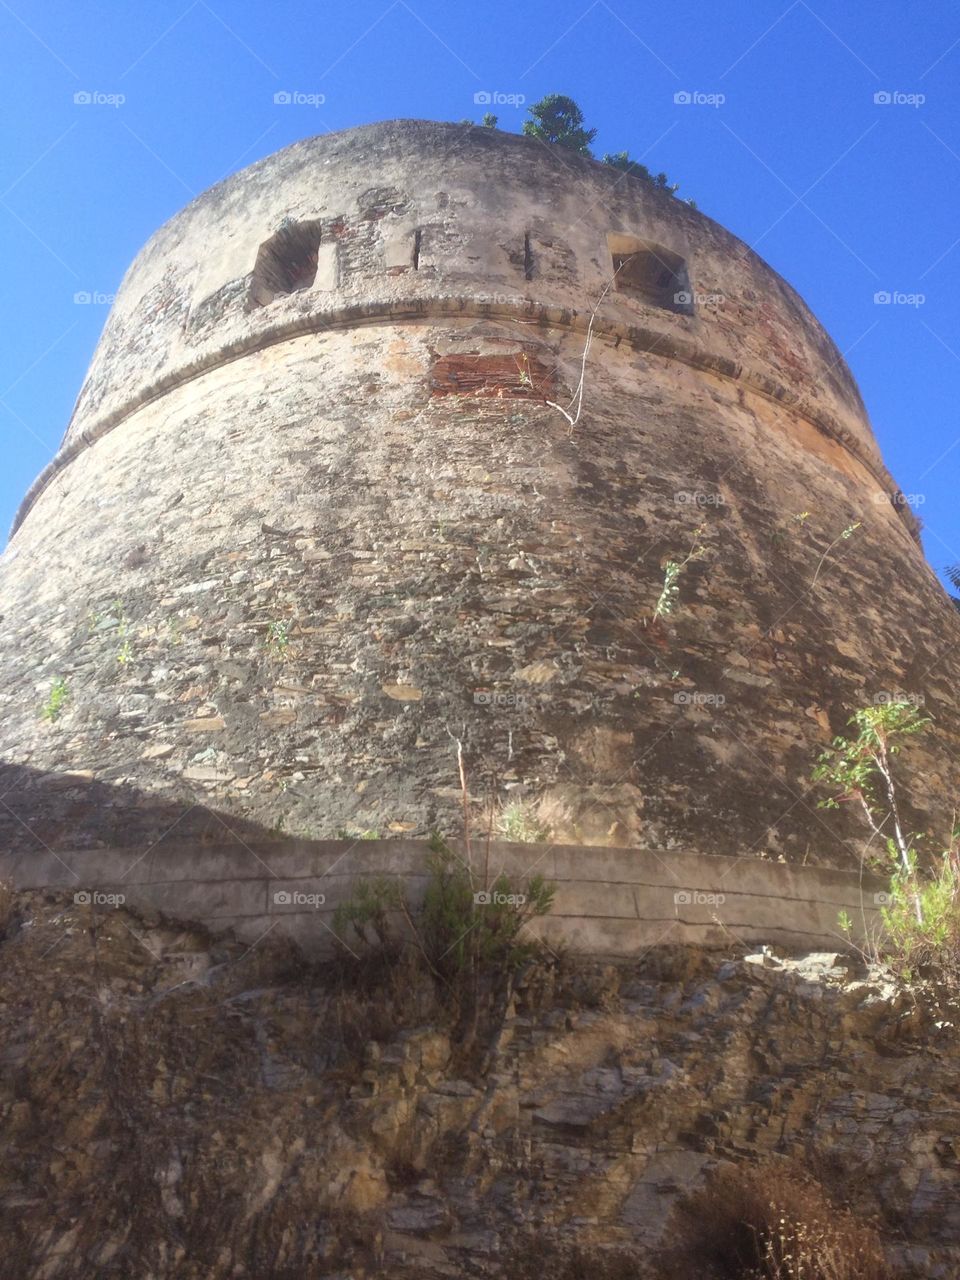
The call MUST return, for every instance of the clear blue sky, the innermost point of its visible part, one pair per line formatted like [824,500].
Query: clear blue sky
[845,196]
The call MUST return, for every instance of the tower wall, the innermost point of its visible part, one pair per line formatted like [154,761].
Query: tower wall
[292,550]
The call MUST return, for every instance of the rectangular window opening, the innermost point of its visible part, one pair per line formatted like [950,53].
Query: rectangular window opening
[652,274]
[286,263]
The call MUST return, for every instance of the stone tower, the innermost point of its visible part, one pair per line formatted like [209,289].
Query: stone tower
[331,502]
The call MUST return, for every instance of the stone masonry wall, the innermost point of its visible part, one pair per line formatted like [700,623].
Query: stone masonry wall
[291,554]
[416,216]
[336,570]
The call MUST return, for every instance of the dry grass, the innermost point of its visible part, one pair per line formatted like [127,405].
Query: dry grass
[376,996]
[770,1222]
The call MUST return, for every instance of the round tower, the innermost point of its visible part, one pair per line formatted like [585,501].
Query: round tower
[422,445]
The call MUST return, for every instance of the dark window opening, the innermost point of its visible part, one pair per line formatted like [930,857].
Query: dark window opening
[286,263]
[417,242]
[652,274]
[527,258]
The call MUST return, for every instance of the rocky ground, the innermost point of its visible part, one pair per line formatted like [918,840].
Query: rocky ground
[180,1106]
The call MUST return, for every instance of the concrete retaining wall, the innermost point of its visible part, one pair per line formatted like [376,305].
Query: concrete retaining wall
[616,902]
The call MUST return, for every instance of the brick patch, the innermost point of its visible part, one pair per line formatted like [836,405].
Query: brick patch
[512,375]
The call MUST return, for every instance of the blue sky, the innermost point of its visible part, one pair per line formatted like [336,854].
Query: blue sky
[845,195]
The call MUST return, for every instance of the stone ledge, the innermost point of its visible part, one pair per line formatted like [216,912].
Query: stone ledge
[612,902]
[655,341]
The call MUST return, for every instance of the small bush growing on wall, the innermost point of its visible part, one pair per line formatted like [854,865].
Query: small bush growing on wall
[858,769]
[932,941]
[278,639]
[468,932]
[459,923]
[57,700]
[351,833]
[921,917]
[557,119]
[466,926]
[519,823]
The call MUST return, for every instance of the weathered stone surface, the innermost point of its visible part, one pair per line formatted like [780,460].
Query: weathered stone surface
[616,902]
[189,1110]
[285,546]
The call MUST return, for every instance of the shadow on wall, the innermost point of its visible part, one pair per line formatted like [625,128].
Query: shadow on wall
[43,812]
[191,863]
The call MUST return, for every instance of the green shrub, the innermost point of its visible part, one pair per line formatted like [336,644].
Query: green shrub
[278,639]
[464,925]
[468,934]
[672,569]
[519,824]
[57,700]
[557,119]
[922,920]
[457,923]
[369,909]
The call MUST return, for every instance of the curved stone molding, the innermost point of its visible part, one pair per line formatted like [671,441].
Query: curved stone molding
[652,341]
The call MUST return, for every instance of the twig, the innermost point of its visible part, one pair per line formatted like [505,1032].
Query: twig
[840,538]
[465,796]
[577,397]
[672,572]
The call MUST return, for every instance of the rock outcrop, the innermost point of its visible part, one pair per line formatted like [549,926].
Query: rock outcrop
[184,1109]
